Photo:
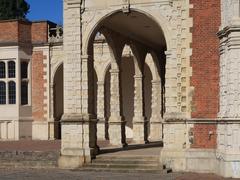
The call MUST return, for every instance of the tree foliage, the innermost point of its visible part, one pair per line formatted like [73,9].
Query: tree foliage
[13,9]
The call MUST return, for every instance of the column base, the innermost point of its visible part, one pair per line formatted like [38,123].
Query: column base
[78,140]
[101,129]
[54,129]
[139,130]
[40,130]
[156,131]
[117,131]
[71,162]
[228,165]
[174,159]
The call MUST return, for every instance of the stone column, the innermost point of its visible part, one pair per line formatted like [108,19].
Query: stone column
[90,121]
[78,125]
[138,119]
[156,118]
[100,111]
[228,128]
[116,124]
[51,122]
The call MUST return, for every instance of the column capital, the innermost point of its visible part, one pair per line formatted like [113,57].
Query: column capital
[113,71]
[138,76]
[100,83]
[156,81]
[86,57]
[168,53]
[52,85]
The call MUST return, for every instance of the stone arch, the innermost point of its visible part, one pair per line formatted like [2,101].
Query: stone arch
[92,28]
[153,65]
[106,69]
[57,99]
[117,41]
[55,68]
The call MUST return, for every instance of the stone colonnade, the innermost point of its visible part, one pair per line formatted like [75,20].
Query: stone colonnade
[116,123]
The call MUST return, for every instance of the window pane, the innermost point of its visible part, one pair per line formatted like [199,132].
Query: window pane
[24,93]
[2,70]
[2,93]
[24,70]
[12,92]
[11,69]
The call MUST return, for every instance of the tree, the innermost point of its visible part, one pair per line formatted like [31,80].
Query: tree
[13,9]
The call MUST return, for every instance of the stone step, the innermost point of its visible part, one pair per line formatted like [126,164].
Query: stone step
[28,164]
[126,165]
[27,159]
[52,155]
[127,157]
[125,170]
[124,161]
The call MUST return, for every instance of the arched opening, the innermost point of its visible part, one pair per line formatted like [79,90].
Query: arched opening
[129,101]
[58,101]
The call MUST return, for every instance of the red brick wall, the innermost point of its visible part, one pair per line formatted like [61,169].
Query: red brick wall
[206,16]
[40,32]
[204,136]
[24,30]
[37,86]
[205,57]
[8,31]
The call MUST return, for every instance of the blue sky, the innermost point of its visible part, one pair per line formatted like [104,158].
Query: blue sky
[46,10]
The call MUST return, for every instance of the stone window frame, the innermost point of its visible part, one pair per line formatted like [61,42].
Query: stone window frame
[7,79]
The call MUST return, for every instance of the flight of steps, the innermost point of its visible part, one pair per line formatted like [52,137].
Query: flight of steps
[128,164]
[29,159]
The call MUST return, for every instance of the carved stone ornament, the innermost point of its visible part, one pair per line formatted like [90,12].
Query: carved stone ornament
[126,6]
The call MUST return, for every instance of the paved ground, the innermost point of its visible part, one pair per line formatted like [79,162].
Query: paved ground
[33,174]
[52,174]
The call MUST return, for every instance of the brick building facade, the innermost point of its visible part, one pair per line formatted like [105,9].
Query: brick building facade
[126,67]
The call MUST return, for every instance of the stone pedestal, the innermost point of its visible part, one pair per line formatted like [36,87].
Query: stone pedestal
[53,129]
[156,131]
[101,129]
[117,131]
[78,141]
[228,154]
[156,119]
[139,130]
